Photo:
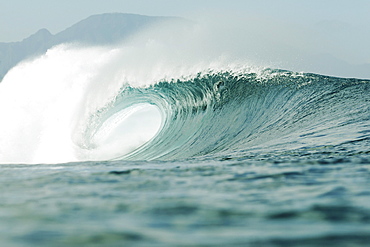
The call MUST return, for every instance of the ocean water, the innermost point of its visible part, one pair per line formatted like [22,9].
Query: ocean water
[95,155]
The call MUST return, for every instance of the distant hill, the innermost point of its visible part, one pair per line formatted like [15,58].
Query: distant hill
[95,30]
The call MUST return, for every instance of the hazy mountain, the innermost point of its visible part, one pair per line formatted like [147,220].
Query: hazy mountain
[108,28]
[97,29]
[12,53]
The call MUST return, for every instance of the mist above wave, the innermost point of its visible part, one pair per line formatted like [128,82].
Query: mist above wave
[259,40]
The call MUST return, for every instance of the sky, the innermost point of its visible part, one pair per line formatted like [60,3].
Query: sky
[335,31]
[21,18]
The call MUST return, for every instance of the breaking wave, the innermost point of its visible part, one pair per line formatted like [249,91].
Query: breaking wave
[90,104]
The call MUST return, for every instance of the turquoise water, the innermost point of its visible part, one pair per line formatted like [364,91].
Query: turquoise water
[265,201]
[230,158]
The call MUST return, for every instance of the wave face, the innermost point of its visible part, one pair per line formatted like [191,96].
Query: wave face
[54,111]
[228,114]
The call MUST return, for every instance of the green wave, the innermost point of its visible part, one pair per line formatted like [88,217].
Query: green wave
[230,114]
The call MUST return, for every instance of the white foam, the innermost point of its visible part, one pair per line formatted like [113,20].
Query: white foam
[45,103]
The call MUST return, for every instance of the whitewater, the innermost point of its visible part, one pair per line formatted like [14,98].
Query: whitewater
[142,144]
